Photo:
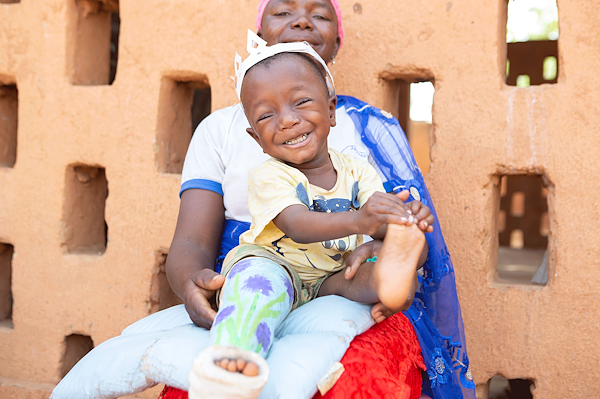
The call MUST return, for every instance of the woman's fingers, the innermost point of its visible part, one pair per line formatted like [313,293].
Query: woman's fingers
[199,310]
[208,280]
[197,291]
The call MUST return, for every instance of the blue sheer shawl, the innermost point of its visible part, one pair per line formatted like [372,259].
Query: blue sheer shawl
[435,313]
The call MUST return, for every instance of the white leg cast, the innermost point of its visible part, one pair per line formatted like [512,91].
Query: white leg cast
[209,381]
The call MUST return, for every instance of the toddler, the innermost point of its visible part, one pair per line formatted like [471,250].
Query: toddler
[310,207]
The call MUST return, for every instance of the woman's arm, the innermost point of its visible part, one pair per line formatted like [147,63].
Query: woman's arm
[195,246]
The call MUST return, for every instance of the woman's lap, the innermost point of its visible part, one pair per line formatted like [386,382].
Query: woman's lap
[116,368]
[383,362]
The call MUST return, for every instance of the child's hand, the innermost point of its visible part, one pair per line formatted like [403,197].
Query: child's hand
[423,215]
[383,208]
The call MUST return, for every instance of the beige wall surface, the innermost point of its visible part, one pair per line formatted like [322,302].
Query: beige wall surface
[482,129]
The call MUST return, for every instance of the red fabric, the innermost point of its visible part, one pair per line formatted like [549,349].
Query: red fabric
[384,362]
[172,393]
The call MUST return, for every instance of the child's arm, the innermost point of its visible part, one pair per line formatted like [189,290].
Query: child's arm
[304,226]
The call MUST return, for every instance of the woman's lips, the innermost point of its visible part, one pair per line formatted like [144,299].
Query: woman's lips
[294,39]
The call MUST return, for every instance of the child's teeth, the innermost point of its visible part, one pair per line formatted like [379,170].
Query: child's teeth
[298,140]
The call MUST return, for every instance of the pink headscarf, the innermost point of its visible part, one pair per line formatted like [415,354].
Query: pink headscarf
[334,3]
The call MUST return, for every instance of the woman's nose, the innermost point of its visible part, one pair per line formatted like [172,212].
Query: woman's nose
[302,21]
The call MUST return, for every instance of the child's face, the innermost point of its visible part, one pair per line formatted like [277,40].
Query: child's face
[289,111]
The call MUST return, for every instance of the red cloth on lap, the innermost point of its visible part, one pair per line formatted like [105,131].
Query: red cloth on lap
[383,362]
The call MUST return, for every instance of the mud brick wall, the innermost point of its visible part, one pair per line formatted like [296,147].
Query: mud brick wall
[90,156]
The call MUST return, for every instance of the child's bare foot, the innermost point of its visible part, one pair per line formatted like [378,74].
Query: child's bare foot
[238,366]
[396,265]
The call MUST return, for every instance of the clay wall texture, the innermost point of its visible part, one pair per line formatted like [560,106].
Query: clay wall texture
[79,138]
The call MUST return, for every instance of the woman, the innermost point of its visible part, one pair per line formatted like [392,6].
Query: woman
[214,199]
[318,23]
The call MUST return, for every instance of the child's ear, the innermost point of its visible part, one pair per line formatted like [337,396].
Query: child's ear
[332,103]
[253,134]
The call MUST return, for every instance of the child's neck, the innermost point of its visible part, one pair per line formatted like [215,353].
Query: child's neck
[321,174]
[324,177]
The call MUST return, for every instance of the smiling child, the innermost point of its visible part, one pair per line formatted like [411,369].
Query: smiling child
[310,207]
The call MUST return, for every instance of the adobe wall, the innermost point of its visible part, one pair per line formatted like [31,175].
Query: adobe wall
[73,138]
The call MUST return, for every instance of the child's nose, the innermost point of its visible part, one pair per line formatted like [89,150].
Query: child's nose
[288,120]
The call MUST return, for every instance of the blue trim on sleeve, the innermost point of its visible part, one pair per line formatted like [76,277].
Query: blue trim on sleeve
[202,184]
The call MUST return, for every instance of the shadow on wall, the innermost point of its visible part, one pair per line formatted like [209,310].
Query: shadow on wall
[6,298]
[76,347]
[503,388]
[93,46]
[523,229]
[8,125]
[183,103]
[84,229]
[161,294]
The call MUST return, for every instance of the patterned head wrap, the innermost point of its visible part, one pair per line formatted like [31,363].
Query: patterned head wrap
[334,3]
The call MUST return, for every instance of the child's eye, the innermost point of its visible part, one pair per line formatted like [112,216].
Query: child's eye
[319,16]
[263,117]
[281,13]
[304,101]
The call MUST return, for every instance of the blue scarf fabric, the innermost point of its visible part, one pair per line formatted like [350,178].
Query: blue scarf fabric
[435,313]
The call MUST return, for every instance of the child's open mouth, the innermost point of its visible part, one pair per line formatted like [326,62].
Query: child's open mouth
[297,139]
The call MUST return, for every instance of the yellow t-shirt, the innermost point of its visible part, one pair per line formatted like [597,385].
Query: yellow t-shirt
[273,186]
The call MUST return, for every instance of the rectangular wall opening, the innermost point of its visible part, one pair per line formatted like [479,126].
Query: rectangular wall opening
[6,298]
[9,107]
[183,104]
[161,294]
[9,1]
[532,42]
[504,388]
[523,230]
[412,106]
[76,347]
[85,230]
[94,45]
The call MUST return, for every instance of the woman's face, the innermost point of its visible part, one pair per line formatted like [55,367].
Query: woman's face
[313,21]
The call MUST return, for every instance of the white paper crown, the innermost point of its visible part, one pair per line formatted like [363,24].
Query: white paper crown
[258,50]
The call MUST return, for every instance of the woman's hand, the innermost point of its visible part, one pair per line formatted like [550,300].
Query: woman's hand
[198,290]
